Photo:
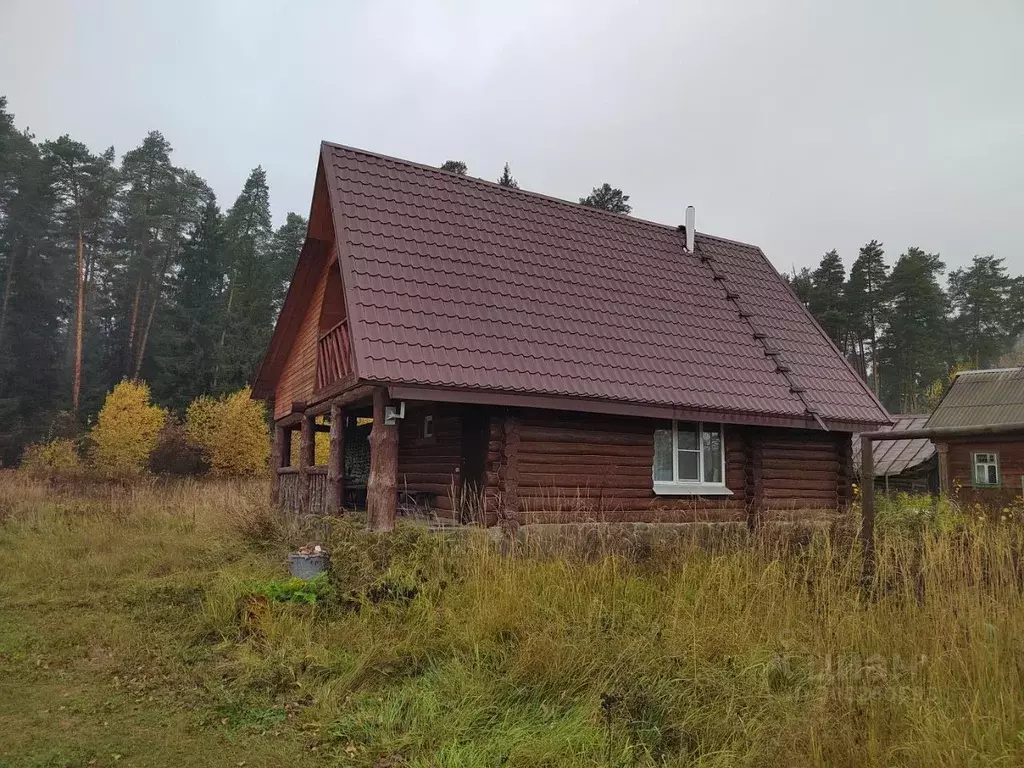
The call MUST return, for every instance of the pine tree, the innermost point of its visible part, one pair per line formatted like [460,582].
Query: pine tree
[454,166]
[827,300]
[285,247]
[83,188]
[911,347]
[800,283]
[185,355]
[607,198]
[864,303]
[150,180]
[247,319]
[506,179]
[33,278]
[979,296]
[181,212]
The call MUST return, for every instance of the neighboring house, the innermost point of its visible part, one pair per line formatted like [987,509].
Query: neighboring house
[979,467]
[911,466]
[528,359]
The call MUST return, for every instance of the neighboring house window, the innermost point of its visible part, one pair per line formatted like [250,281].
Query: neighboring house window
[428,426]
[986,469]
[689,458]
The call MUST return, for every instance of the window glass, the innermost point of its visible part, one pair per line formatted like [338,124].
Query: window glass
[986,469]
[711,444]
[663,454]
[687,436]
[688,452]
[688,469]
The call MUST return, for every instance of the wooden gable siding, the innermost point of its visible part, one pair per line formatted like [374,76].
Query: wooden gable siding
[580,467]
[298,377]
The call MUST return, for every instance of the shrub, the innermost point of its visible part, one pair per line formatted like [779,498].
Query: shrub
[178,453]
[55,458]
[233,431]
[294,590]
[126,430]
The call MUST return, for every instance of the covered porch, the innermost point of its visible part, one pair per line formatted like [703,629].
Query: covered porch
[408,459]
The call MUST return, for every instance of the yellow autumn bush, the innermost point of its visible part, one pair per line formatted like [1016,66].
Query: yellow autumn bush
[56,458]
[233,431]
[126,430]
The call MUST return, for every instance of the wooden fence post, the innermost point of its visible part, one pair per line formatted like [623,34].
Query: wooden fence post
[336,463]
[867,510]
[307,457]
[382,486]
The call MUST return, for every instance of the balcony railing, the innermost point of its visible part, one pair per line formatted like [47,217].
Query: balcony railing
[333,359]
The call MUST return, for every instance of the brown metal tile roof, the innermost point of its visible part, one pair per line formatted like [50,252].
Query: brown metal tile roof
[459,283]
[894,456]
[981,399]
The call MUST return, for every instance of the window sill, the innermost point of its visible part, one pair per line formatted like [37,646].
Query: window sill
[986,485]
[691,489]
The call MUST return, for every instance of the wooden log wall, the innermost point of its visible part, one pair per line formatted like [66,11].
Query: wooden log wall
[960,462]
[583,467]
[430,466]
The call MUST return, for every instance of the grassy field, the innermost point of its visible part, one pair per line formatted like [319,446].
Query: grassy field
[153,627]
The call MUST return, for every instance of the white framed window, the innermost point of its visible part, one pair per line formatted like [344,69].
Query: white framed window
[986,468]
[689,459]
[428,426]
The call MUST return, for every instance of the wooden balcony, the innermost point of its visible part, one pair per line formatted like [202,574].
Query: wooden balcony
[333,356]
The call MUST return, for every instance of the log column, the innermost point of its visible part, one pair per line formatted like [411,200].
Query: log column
[281,457]
[336,463]
[307,447]
[510,460]
[382,486]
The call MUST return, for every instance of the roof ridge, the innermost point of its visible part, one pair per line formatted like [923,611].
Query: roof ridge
[625,217]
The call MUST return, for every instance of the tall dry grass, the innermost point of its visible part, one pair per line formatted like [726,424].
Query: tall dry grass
[666,646]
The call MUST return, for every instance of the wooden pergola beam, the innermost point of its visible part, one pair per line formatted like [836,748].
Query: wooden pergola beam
[941,432]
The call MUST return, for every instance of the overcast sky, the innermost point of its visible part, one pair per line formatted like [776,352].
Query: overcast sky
[799,126]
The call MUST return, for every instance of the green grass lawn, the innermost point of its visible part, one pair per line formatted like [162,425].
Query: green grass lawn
[152,627]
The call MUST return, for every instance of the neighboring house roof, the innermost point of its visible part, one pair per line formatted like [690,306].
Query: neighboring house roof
[457,283]
[894,456]
[982,399]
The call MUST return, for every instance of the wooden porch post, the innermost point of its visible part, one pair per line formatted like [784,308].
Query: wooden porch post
[307,446]
[867,515]
[336,463]
[279,458]
[382,486]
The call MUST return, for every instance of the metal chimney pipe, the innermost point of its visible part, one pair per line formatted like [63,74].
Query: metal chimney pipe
[691,214]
